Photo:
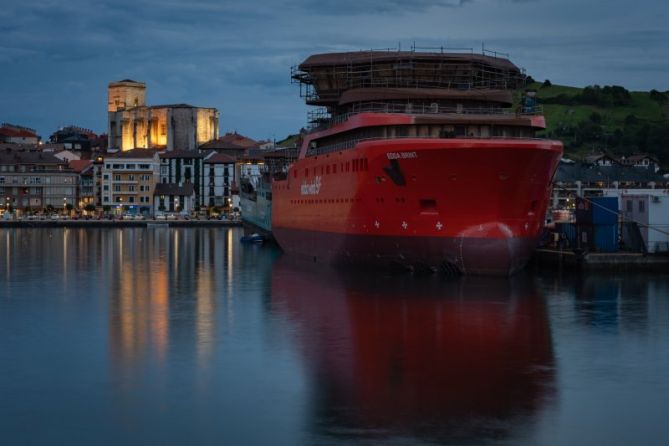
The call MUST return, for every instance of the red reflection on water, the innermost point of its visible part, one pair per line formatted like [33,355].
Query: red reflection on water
[419,353]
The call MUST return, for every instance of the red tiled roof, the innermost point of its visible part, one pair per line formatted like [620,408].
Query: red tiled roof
[239,140]
[16,133]
[79,165]
[219,158]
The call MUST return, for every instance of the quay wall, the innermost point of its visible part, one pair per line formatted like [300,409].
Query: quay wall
[116,223]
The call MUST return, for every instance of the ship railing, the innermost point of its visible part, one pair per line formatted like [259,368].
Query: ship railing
[321,119]
[350,144]
[434,108]
[313,95]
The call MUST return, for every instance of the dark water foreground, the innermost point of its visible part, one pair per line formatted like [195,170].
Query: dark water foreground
[185,336]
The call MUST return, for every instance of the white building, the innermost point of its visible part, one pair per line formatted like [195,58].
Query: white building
[651,213]
[220,187]
[169,198]
[184,167]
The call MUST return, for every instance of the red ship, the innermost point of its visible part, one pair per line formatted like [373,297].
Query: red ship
[418,160]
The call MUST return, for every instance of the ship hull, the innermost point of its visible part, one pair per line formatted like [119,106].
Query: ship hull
[471,206]
[468,255]
[257,209]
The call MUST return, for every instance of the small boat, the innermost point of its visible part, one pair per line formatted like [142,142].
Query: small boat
[253,238]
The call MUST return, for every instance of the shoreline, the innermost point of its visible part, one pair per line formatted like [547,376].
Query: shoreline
[116,223]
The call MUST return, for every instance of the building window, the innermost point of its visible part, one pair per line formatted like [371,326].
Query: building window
[131,178]
[117,188]
[130,166]
[131,188]
[117,177]
[105,187]
[131,199]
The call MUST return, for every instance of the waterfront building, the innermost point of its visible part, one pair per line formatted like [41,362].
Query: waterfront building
[174,198]
[36,180]
[220,186]
[86,183]
[184,167]
[650,211]
[129,179]
[573,179]
[133,124]
[17,134]
[98,165]
[74,138]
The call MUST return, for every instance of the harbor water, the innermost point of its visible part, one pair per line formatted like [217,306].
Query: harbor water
[179,336]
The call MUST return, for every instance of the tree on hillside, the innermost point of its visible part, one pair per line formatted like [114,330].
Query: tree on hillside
[658,97]
[547,83]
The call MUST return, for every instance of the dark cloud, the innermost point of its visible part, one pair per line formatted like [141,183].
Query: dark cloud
[57,57]
[353,7]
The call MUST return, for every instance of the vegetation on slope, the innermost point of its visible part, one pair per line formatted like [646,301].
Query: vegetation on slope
[608,118]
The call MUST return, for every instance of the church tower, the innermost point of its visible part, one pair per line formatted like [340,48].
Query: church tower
[125,94]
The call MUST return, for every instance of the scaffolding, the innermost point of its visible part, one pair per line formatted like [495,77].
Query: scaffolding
[324,78]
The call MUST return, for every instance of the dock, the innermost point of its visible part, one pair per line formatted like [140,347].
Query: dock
[116,223]
[597,261]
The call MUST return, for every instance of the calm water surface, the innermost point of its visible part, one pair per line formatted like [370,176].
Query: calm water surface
[185,336]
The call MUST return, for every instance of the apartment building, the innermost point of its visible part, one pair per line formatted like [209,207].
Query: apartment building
[30,179]
[129,179]
[220,187]
[180,167]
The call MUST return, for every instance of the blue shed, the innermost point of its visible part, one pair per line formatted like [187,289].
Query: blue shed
[604,210]
[606,238]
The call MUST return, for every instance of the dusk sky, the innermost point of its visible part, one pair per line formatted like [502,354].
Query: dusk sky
[57,57]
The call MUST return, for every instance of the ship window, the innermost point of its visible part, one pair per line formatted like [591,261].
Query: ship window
[460,130]
[348,166]
[364,162]
[327,169]
[334,168]
[355,165]
[642,206]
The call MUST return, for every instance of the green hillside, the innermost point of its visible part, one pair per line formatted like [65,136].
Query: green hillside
[606,118]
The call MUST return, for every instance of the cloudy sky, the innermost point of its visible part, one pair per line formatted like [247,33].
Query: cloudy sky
[57,57]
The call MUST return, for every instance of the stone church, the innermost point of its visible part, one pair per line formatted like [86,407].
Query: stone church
[133,124]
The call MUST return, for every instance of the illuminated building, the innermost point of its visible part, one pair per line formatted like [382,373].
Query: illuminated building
[133,124]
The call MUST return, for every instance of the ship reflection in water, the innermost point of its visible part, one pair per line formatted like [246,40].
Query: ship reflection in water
[430,358]
[186,336]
